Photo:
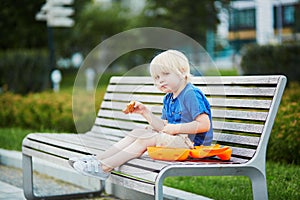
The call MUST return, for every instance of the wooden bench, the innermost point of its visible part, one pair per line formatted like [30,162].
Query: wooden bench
[243,110]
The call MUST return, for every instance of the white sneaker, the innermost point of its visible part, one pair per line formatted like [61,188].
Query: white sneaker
[91,168]
[71,161]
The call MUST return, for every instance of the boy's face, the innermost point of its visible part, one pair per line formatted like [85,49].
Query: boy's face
[168,82]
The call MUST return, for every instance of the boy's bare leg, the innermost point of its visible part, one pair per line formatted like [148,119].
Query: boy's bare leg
[126,141]
[134,150]
[117,147]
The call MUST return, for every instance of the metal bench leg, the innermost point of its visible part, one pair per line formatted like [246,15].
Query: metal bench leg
[28,184]
[259,186]
[158,193]
[27,177]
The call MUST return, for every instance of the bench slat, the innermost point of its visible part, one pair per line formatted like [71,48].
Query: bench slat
[121,105]
[76,142]
[237,139]
[241,115]
[207,90]
[120,115]
[48,157]
[216,113]
[60,140]
[240,103]
[242,152]
[204,80]
[97,130]
[138,172]
[113,98]
[49,149]
[239,127]
[131,183]
[137,97]
[60,144]
[118,123]
[221,137]
[230,126]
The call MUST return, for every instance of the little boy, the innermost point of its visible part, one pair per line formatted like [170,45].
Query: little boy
[185,122]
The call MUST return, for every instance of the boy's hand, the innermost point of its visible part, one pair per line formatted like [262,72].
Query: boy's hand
[129,108]
[135,107]
[140,108]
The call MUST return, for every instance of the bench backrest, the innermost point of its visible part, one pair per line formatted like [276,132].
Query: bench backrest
[243,108]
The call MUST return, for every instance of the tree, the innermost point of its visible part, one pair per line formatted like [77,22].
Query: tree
[296,27]
[95,23]
[19,29]
[193,18]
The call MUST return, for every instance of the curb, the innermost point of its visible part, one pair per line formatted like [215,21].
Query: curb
[14,159]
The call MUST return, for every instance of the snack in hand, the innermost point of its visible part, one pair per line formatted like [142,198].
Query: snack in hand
[129,108]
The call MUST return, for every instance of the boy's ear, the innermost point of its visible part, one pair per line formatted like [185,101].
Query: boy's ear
[182,70]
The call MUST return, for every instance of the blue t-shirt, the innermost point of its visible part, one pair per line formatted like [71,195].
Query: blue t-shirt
[190,103]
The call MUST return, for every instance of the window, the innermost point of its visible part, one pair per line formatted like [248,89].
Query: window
[242,19]
[288,15]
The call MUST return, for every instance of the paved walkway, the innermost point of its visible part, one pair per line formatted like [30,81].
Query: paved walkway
[10,192]
[11,179]
[11,185]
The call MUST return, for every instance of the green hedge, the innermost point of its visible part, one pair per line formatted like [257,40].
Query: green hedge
[272,59]
[38,111]
[23,71]
[284,141]
[46,110]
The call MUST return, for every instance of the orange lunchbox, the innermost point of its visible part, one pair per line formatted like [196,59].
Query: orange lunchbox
[224,153]
[180,154]
[168,154]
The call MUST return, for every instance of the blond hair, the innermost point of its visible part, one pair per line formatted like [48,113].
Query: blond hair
[170,61]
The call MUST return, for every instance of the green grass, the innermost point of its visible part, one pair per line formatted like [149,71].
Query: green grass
[11,138]
[282,179]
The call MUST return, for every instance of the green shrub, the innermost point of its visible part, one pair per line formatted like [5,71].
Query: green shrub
[280,59]
[269,59]
[37,111]
[46,110]
[24,71]
[284,141]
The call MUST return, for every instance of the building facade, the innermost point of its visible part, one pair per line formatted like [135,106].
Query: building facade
[263,22]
